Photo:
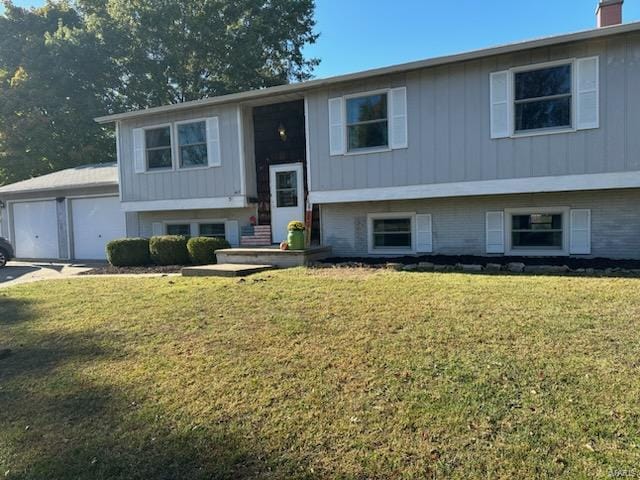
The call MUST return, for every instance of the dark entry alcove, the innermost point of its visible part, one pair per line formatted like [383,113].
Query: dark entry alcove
[279,135]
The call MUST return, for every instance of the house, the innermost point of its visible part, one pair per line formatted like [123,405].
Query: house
[525,149]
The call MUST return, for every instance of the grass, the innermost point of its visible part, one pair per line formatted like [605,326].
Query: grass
[346,374]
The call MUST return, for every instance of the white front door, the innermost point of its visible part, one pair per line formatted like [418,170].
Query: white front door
[287,198]
[96,221]
[35,225]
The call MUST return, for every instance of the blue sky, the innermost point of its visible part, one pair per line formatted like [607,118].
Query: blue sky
[361,34]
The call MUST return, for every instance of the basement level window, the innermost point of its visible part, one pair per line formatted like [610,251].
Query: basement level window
[543,98]
[537,230]
[367,122]
[211,230]
[179,229]
[391,233]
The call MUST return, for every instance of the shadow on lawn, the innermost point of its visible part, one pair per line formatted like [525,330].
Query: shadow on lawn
[60,420]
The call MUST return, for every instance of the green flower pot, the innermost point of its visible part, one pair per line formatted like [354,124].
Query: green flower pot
[295,239]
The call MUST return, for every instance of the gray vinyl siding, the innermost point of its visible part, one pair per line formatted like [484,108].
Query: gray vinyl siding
[449,130]
[458,224]
[210,182]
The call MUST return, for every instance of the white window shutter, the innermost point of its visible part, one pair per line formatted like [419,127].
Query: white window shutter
[232,232]
[214,155]
[495,232]
[399,117]
[500,104]
[336,127]
[424,241]
[138,150]
[157,228]
[588,95]
[580,232]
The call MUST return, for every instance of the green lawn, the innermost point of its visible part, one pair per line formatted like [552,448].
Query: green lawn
[334,373]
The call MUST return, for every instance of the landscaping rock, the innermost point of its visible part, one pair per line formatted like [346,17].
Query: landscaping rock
[470,268]
[425,266]
[515,267]
[493,267]
[394,266]
[443,268]
[410,268]
[546,269]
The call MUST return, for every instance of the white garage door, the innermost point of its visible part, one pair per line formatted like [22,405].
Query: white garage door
[35,225]
[96,221]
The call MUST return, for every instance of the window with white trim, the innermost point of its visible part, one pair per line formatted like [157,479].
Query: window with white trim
[158,150]
[543,98]
[367,122]
[192,144]
[537,231]
[216,230]
[179,229]
[392,233]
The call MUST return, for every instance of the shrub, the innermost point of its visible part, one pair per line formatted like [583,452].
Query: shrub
[169,250]
[295,226]
[128,252]
[202,249]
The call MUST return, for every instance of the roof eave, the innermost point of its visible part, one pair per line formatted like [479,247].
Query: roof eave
[59,187]
[404,67]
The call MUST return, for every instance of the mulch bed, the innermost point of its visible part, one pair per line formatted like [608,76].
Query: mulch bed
[111,270]
[572,263]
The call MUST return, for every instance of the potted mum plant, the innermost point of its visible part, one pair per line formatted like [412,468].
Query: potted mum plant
[295,238]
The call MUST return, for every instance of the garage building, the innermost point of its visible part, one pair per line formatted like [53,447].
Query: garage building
[66,215]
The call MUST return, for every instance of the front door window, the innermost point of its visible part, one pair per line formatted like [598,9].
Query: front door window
[287,189]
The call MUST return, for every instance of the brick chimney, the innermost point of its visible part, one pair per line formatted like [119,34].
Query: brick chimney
[609,12]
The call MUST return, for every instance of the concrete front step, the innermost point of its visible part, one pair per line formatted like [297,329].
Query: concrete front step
[224,270]
[272,256]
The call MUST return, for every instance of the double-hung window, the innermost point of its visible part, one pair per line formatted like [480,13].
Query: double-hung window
[179,229]
[389,233]
[543,98]
[542,231]
[367,122]
[211,230]
[192,144]
[158,148]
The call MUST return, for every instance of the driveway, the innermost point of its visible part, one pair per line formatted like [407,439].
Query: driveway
[24,272]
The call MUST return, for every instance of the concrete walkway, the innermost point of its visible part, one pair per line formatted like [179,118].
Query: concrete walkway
[24,272]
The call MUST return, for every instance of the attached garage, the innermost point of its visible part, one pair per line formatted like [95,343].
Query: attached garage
[70,214]
[35,226]
[95,221]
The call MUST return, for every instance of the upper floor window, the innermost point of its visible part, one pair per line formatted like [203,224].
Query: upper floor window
[367,122]
[158,147]
[192,144]
[543,98]
[559,97]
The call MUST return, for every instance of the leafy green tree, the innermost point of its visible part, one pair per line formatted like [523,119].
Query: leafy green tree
[65,63]
[52,82]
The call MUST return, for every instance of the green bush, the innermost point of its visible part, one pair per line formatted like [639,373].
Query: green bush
[202,249]
[169,250]
[128,252]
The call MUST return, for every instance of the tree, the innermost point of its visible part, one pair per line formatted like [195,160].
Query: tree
[174,51]
[63,64]
[52,82]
